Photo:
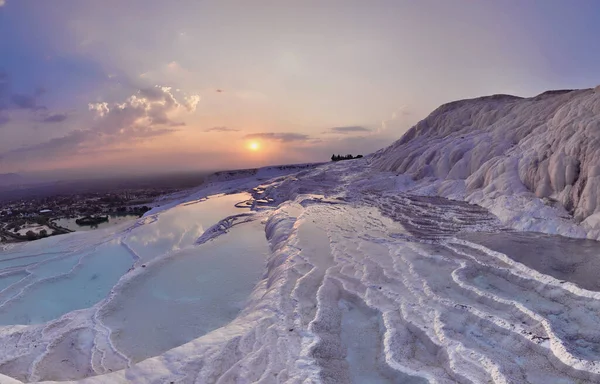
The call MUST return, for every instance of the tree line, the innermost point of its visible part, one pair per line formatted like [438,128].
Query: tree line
[335,157]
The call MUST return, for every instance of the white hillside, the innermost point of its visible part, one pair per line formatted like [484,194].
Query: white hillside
[491,148]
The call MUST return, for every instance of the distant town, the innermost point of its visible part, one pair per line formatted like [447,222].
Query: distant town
[32,211]
[31,219]
[85,204]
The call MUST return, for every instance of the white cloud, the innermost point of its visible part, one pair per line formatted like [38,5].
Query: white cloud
[191,102]
[146,109]
[174,66]
[2,2]
[100,108]
[400,114]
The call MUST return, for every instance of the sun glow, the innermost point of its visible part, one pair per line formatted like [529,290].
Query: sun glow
[254,145]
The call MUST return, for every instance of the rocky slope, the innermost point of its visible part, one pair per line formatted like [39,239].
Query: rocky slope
[516,156]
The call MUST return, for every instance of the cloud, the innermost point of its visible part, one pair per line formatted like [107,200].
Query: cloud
[174,66]
[350,129]
[100,108]
[158,93]
[83,142]
[69,142]
[11,100]
[146,114]
[147,108]
[282,137]
[397,117]
[24,101]
[2,2]
[221,129]
[55,118]
[191,102]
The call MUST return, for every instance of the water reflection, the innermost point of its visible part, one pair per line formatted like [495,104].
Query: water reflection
[573,260]
[180,226]
[69,223]
[187,295]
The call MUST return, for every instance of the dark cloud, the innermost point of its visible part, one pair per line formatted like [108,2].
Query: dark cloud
[55,118]
[11,100]
[24,101]
[350,129]
[84,141]
[69,142]
[4,119]
[282,137]
[221,129]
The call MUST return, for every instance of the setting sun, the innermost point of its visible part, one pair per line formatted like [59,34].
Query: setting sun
[254,145]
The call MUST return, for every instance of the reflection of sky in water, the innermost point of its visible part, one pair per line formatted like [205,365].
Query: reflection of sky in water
[185,296]
[574,260]
[79,288]
[112,220]
[181,225]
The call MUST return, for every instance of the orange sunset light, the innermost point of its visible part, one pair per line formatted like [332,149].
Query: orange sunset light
[254,145]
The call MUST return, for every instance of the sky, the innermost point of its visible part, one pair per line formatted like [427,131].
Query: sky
[142,86]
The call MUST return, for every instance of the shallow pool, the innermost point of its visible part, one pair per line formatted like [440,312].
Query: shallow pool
[187,295]
[45,279]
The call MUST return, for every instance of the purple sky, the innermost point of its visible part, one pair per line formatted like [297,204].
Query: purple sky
[154,85]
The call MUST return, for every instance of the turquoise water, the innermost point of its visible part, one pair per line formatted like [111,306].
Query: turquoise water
[186,296]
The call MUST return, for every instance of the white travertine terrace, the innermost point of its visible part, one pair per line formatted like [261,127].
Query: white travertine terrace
[500,151]
[375,270]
